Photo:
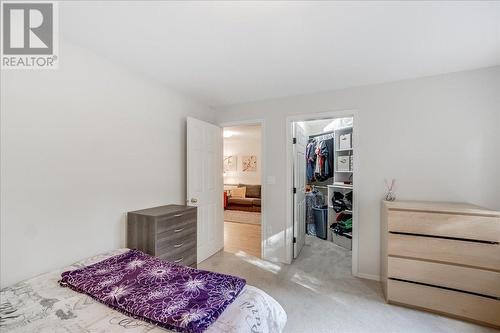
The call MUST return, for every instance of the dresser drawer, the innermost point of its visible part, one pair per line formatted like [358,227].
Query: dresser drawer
[467,253]
[459,304]
[173,236]
[186,257]
[176,245]
[485,228]
[457,277]
[176,222]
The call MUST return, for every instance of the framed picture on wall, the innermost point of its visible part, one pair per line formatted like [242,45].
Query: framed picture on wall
[250,163]
[230,163]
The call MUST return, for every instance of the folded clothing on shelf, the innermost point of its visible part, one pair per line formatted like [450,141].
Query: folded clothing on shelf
[341,202]
[343,225]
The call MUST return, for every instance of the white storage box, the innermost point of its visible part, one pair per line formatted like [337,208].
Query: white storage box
[343,163]
[345,141]
[341,240]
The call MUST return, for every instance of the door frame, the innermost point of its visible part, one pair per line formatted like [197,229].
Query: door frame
[289,179]
[263,175]
[299,241]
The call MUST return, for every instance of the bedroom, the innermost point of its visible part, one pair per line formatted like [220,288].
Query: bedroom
[110,130]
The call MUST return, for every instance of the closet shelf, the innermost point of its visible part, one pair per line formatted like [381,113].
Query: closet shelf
[348,211]
[346,186]
[348,149]
[344,171]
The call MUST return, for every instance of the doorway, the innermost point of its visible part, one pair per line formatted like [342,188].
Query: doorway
[322,173]
[243,195]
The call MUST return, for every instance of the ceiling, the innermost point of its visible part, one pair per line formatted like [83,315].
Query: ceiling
[244,132]
[235,52]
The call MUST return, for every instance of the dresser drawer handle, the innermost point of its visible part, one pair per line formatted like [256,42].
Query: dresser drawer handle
[178,215]
[178,230]
[178,245]
[178,260]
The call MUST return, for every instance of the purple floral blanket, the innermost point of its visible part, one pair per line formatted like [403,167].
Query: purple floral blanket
[175,297]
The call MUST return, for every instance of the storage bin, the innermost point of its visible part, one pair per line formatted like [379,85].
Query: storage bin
[343,163]
[345,141]
[321,221]
[342,240]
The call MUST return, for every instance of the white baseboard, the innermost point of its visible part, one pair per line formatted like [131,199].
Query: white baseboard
[368,276]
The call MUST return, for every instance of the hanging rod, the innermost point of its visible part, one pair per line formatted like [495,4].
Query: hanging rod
[325,133]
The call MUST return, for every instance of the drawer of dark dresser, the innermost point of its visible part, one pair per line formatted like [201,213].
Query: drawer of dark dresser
[183,255]
[176,222]
[176,236]
[169,242]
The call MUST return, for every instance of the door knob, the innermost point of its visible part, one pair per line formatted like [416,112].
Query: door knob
[194,200]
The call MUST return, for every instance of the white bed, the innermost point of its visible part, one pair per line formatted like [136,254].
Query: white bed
[41,305]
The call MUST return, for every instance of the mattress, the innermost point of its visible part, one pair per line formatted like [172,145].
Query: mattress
[42,305]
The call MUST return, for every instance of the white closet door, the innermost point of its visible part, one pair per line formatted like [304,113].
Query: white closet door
[205,184]
[299,198]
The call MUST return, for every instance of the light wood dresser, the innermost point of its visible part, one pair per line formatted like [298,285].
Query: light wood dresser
[167,232]
[442,257]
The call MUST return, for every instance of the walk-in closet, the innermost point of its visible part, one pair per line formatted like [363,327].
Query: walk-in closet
[324,151]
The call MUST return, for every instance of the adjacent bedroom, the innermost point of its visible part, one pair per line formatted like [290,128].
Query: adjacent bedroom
[243,189]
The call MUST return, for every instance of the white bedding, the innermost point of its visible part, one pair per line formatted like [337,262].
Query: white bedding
[41,305]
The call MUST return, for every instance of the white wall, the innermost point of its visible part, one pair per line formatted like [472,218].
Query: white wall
[81,146]
[246,142]
[438,136]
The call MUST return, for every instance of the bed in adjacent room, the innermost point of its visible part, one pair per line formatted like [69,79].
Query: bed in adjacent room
[41,304]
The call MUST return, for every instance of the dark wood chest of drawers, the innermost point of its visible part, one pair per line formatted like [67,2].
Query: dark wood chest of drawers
[167,232]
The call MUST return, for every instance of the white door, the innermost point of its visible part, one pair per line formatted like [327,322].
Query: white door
[205,184]
[299,185]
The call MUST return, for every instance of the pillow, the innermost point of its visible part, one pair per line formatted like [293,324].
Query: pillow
[229,188]
[238,192]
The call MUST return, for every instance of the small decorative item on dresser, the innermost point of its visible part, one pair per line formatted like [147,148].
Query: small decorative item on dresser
[389,196]
[167,232]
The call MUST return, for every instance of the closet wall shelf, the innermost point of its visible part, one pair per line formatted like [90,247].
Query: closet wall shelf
[318,186]
[348,211]
[348,149]
[344,171]
[346,186]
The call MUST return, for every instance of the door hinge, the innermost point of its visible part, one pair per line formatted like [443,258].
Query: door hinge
[295,239]
[294,190]
[294,140]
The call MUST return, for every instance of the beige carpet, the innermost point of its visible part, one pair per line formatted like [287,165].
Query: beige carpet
[239,216]
[319,294]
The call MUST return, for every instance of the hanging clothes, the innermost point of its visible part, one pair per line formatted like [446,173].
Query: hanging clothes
[323,168]
[310,161]
[319,158]
[329,157]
